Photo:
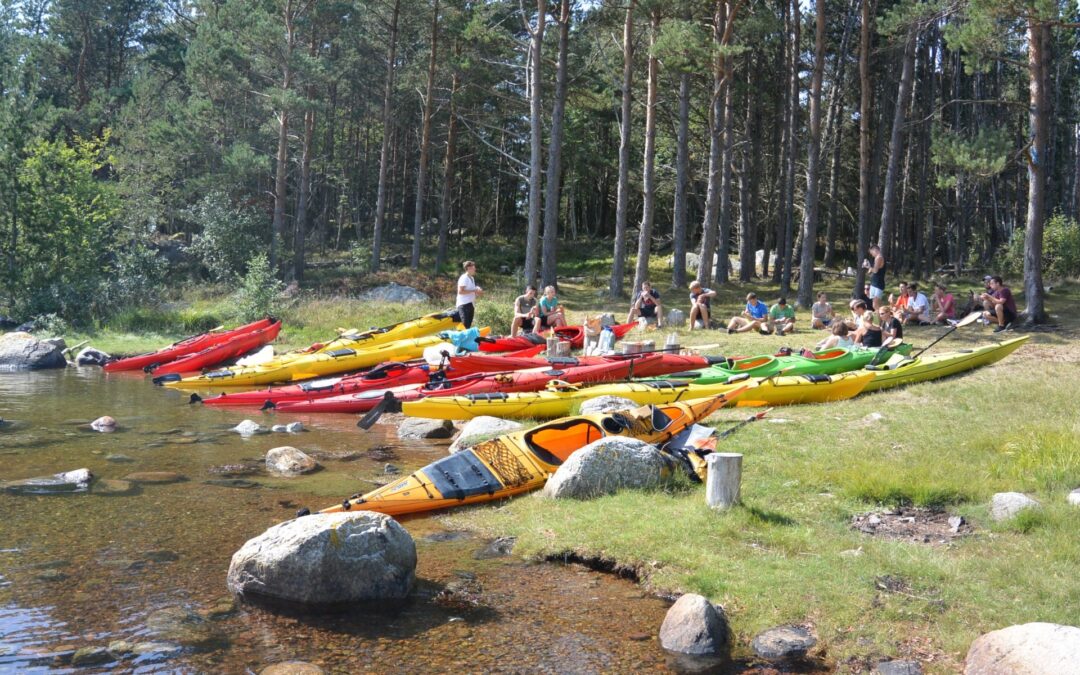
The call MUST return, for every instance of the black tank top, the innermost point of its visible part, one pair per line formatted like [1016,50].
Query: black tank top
[877,279]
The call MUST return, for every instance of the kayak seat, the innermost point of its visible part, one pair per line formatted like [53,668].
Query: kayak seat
[616,423]
[817,379]
[338,353]
[553,443]
[660,419]
[535,339]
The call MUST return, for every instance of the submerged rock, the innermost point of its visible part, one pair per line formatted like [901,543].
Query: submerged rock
[23,351]
[498,548]
[480,429]
[288,461]
[1006,505]
[419,427]
[783,643]
[156,650]
[294,427]
[119,459]
[292,668]
[694,626]
[606,466]
[104,424]
[58,483]
[238,483]
[249,428]
[1027,649]
[111,487]
[156,477]
[180,625]
[898,667]
[91,656]
[327,559]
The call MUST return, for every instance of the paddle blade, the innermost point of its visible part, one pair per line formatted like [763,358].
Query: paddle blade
[195,398]
[268,405]
[968,320]
[171,377]
[387,404]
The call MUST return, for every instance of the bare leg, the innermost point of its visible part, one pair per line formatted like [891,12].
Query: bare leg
[695,312]
[515,326]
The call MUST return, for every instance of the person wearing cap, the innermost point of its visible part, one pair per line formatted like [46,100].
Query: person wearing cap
[699,304]
[754,317]
[781,318]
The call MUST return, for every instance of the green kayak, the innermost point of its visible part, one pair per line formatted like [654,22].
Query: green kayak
[826,362]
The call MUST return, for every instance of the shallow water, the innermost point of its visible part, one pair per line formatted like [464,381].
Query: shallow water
[89,569]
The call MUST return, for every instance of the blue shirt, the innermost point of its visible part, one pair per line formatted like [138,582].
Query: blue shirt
[757,311]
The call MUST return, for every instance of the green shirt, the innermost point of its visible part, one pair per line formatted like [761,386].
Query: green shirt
[781,312]
[548,306]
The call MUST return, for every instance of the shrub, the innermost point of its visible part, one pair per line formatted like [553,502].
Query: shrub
[260,291]
[229,235]
[1061,250]
[138,277]
[498,316]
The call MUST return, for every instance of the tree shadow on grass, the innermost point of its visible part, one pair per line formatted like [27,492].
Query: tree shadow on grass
[770,517]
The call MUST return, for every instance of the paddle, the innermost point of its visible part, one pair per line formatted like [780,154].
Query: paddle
[966,321]
[388,404]
[753,418]
[889,345]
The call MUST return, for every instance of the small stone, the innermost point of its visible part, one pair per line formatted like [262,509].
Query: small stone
[156,649]
[238,483]
[120,648]
[874,519]
[111,487]
[606,404]
[222,609]
[294,427]
[873,417]
[391,469]
[898,668]
[955,523]
[1074,497]
[52,575]
[783,643]
[288,461]
[418,427]
[499,548]
[155,477]
[292,668]
[59,483]
[118,459]
[161,556]
[249,428]
[176,624]
[278,428]
[91,656]
[1006,505]
[104,424]
[694,626]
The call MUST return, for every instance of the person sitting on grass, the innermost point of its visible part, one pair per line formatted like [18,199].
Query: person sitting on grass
[899,299]
[890,325]
[821,313]
[839,338]
[526,313]
[647,304]
[918,307]
[754,317]
[782,318]
[552,314]
[699,305]
[867,333]
[944,304]
[1004,306]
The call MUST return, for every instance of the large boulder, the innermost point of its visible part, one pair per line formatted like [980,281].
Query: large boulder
[1006,505]
[694,626]
[607,404]
[23,351]
[395,294]
[288,461]
[606,466]
[59,483]
[482,428]
[420,427]
[327,559]
[1027,649]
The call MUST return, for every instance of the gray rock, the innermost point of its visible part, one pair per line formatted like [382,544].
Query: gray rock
[327,559]
[606,404]
[898,668]
[694,626]
[91,656]
[419,427]
[119,459]
[482,428]
[111,487]
[184,627]
[497,548]
[292,668]
[391,469]
[1027,649]
[955,523]
[395,294]
[288,461]
[104,424]
[294,427]
[92,357]
[1074,497]
[155,477]
[1005,505]
[52,575]
[161,556]
[606,466]
[278,428]
[120,648]
[59,483]
[23,351]
[783,643]
[156,649]
[249,428]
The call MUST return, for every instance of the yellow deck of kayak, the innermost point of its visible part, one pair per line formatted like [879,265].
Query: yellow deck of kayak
[546,404]
[898,370]
[522,460]
[319,364]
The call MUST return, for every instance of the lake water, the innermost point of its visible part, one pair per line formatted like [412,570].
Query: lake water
[86,570]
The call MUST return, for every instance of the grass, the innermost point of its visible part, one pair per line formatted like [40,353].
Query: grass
[788,554]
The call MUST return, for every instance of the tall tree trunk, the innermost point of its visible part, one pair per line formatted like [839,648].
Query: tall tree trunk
[618,266]
[792,150]
[648,164]
[896,147]
[304,201]
[448,171]
[425,141]
[282,159]
[748,164]
[834,133]
[536,146]
[554,168]
[866,97]
[716,129]
[1038,46]
[682,171]
[1076,172]
[384,153]
[813,162]
[723,241]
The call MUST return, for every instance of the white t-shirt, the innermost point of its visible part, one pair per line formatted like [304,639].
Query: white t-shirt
[919,306]
[469,284]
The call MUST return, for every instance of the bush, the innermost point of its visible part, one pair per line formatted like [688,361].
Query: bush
[229,235]
[1061,250]
[138,277]
[260,291]
[498,316]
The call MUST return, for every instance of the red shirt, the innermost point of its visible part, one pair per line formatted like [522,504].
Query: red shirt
[1005,295]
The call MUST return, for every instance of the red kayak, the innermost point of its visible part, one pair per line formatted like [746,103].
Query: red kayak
[664,365]
[190,345]
[212,356]
[575,335]
[478,383]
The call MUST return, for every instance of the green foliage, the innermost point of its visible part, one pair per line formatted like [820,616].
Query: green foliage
[969,159]
[138,276]
[1061,250]
[1046,460]
[260,291]
[497,315]
[229,235]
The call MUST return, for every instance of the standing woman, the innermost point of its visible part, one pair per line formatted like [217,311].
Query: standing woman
[467,290]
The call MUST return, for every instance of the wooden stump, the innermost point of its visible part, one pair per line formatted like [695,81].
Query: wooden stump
[553,346]
[563,349]
[631,347]
[725,475]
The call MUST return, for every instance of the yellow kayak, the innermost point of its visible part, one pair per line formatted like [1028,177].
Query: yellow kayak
[900,370]
[318,364]
[559,401]
[522,460]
